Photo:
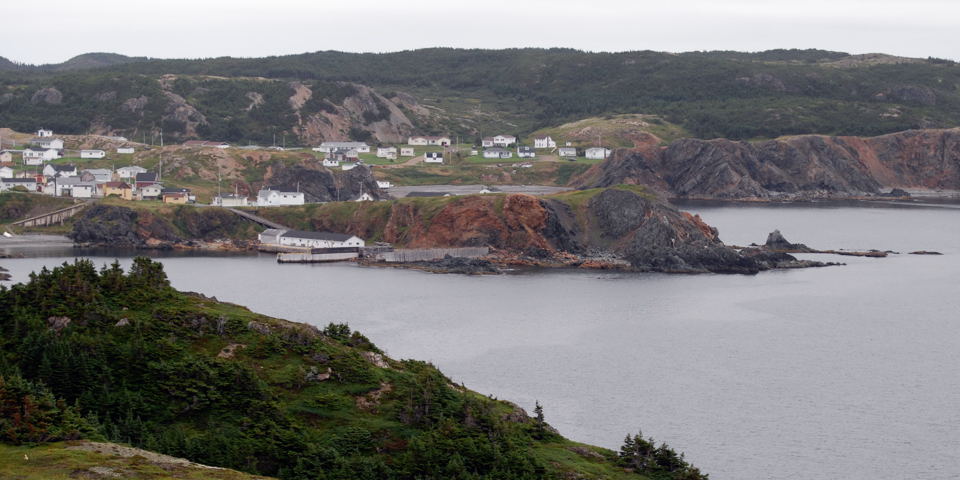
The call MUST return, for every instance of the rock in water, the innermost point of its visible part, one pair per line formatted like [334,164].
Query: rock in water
[777,242]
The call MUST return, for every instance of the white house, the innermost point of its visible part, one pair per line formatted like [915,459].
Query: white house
[149,192]
[48,142]
[6,172]
[407,152]
[526,152]
[230,200]
[497,152]
[51,170]
[384,184]
[327,147]
[433,157]
[274,198]
[567,151]
[504,140]
[331,162]
[43,133]
[125,150]
[63,186]
[296,238]
[598,153]
[92,154]
[6,156]
[440,140]
[37,156]
[8,183]
[387,152]
[130,172]
[544,141]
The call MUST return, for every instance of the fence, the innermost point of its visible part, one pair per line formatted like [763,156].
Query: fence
[427,254]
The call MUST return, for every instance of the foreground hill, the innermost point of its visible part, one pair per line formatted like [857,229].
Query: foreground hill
[806,166]
[88,354]
[101,460]
[332,95]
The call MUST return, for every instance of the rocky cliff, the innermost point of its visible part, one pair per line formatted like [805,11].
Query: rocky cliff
[806,166]
[624,226]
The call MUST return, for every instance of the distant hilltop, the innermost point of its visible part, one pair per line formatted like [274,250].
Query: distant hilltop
[331,95]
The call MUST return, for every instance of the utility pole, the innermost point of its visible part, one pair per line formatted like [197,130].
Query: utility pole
[160,170]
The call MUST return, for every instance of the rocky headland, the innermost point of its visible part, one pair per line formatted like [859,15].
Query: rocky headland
[800,167]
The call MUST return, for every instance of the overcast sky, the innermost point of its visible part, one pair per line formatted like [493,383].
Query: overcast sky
[55,30]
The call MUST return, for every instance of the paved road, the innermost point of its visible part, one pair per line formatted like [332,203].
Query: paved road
[400,192]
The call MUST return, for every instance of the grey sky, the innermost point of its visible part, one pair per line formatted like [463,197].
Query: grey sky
[59,29]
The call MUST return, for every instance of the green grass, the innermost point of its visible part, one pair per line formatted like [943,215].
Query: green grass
[57,462]
[613,130]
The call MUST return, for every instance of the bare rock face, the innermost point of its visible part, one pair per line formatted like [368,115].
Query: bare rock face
[49,95]
[806,166]
[320,184]
[58,323]
[134,105]
[261,328]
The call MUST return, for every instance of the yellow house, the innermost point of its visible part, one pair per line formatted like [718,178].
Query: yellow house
[120,189]
[179,198]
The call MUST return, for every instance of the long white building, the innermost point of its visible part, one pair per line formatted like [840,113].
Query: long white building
[297,238]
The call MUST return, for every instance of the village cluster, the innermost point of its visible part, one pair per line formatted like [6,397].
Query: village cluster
[137,183]
[346,154]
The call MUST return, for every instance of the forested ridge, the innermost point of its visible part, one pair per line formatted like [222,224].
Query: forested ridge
[711,94]
[121,356]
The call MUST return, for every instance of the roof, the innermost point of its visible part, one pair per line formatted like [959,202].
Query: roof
[428,194]
[231,195]
[594,149]
[496,150]
[542,137]
[98,171]
[134,167]
[524,149]
[433,155]
[429,137]
[176,190]
[272,231]
[506,136]
[336,237]
[68,180]
[37,150]
[173,194]
[146,177]
[63,168]
[122,185]
[18,180]
[92,150]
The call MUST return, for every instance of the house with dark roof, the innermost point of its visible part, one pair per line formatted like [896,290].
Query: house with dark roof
[28,183]
[144,179]
[65,170]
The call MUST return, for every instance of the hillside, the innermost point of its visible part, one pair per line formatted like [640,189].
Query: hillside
[333,95]
[107,354]
[100,460]
[798,167]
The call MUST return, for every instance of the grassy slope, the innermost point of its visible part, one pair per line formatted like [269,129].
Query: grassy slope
[171,353]
[16,206]
[57,461]
[614,130]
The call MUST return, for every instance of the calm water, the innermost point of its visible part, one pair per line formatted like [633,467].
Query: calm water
[837,373]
